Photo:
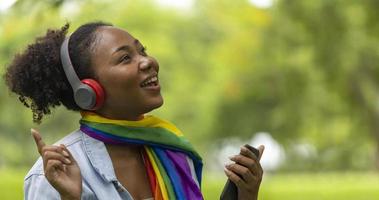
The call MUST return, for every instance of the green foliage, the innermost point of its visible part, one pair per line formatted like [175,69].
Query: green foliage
[304,71]
[310,186]
[314,80]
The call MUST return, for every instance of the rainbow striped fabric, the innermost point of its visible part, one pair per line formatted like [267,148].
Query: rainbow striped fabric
[173,166]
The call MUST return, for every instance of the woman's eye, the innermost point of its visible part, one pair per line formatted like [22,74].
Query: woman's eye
[125,58]
[143,51]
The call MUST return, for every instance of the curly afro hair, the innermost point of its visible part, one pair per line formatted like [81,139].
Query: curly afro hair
[37,75]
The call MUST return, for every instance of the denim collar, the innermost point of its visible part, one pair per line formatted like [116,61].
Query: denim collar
[99,157]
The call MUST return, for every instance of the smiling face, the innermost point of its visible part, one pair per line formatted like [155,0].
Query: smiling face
[128,75]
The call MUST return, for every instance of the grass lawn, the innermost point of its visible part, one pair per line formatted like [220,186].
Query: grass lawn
[11,184]
[305,186]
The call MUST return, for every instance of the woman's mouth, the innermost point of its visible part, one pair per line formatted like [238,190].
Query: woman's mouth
[150,82]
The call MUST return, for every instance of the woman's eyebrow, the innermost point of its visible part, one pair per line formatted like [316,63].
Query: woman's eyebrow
[126,47]
[122,48]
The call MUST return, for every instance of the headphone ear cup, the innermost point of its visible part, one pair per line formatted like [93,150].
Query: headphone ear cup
[85,97]
[98,93]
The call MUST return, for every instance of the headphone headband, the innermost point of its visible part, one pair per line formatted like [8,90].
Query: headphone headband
[88,93]
[73,79]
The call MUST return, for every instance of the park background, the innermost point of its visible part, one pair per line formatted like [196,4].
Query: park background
[299,76]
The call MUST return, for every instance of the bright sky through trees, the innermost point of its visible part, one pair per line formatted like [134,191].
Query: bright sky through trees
[262,3]
[183,4]
[5,4]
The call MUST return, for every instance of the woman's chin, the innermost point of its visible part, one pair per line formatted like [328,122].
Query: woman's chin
[157,103]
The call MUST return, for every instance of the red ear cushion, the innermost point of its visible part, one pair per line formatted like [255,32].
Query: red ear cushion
[99,91]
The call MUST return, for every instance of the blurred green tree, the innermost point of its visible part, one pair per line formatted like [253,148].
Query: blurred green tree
[304,71]
[316,81]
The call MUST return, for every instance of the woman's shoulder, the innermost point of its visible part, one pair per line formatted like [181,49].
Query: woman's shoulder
[70,139]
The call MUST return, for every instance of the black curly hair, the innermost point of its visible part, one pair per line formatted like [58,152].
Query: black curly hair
[37,75]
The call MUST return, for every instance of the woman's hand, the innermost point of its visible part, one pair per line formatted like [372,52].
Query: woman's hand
[246,173]
[61,169]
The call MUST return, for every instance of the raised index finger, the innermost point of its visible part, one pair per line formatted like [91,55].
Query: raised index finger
[38,140]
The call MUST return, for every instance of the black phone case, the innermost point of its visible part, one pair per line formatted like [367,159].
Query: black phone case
[230,191]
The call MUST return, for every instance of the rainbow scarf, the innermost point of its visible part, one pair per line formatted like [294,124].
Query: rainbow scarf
[173,166]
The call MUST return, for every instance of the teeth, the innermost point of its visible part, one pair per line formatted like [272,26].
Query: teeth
[149,81]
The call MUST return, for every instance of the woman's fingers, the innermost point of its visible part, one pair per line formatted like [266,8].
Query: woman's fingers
[242,171]
[38,140]
[59,166]
[53,165]
[235,178]
[53,168]
[67,153]
[249,163]
[246,171]
[52,148]
[261,149]
[250,160]
[247,152]
[52,155]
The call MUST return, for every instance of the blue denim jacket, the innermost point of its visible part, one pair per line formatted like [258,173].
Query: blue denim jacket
[99,179]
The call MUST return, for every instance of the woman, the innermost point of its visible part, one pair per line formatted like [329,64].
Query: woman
[118,152]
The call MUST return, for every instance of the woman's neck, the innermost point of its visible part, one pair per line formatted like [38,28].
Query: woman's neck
[130,151]
[119,115]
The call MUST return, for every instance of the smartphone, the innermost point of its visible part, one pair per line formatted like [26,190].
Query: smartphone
[230,191]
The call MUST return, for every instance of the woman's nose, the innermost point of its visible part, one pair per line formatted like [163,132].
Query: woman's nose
[145,64]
